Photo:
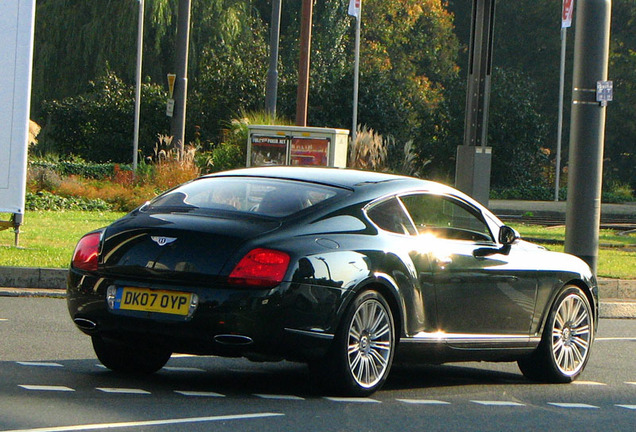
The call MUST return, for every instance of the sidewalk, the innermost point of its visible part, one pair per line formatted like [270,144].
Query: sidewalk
[617,297]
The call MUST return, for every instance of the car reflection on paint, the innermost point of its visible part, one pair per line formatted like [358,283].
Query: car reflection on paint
[344,270]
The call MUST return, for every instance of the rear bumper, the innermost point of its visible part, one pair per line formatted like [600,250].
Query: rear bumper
[292,321]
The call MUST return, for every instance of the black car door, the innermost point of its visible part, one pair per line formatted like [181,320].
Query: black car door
[480,290]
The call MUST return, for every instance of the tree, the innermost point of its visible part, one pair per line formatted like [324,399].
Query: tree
[97,124]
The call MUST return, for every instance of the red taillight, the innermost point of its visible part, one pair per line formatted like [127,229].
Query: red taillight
[263,268]
[86,251]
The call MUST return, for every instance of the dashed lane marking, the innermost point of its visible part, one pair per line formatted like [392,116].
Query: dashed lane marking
[615,339]
[572,405]
[132,424]
[352,400]
[122,390]
[40,364]
[423,401]
[630,407]
[182,369]
[199,394]
[630,382]
[279,397]
[590,383]
[498,403]
[4,319]
[46,388]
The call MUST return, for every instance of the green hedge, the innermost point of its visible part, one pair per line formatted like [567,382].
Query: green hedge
[541,193]
[98,171]
[48,201]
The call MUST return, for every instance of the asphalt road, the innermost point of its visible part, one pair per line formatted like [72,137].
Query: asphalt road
[51,381]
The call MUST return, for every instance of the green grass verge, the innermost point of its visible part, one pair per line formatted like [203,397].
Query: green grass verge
[616,255]
[47,239]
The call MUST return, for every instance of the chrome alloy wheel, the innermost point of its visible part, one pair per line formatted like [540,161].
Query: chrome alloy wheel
[571,334]
[370,340]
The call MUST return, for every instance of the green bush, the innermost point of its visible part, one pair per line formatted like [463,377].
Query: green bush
[97,171]
[48,201]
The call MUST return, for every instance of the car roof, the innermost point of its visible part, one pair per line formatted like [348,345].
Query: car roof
[340,177]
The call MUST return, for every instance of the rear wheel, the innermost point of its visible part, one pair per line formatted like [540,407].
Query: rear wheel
[567,338]
[128,358]
[363,349]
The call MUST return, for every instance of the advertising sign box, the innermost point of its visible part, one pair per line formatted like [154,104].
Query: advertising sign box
[297,146]
[16,52]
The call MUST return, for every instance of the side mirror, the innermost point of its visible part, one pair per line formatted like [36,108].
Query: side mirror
[507,235]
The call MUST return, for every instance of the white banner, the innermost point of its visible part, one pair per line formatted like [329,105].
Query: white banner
[354,8]
[566,15]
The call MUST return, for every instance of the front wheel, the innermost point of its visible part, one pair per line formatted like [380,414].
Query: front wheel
[363,349]
[121,357]
[567,338]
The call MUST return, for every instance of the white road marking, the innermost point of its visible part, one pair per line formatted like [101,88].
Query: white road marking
[630,382]
[4,319]
[590,383]
[182,369]
[423,401]
[42,364]
[630,407]
[498,403]
[122,390]
[46,388]
[279,397]
[572,405]
[97,426]
[615,339]
[199,393]
[352,400]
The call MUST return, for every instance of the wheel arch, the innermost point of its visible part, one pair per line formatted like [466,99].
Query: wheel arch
[583,286]
[592,298]
[386,286]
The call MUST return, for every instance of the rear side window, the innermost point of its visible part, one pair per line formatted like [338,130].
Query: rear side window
[390,216]
[267,197]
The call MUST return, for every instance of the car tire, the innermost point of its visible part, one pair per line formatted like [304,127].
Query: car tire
[566,341]
[137,359]
[362,353]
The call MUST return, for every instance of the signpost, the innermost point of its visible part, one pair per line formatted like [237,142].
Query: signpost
[170,105]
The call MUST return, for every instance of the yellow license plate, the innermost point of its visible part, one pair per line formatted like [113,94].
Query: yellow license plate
[146,300]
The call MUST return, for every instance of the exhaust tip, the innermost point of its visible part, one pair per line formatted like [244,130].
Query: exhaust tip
[230,339]
[85,324]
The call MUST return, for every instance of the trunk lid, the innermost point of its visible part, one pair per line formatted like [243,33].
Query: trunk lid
[176,246]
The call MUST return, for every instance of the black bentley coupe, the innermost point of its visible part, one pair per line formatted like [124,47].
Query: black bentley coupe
[343,270]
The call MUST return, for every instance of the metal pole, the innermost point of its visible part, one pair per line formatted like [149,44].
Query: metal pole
[303,68]
[356,74]
[591,53]
[557,180]
[140,49]
[177,126]
[271,86]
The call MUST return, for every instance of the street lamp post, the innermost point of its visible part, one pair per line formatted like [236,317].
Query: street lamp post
[140,45]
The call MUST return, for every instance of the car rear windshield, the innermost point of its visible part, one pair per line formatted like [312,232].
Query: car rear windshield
[262,196]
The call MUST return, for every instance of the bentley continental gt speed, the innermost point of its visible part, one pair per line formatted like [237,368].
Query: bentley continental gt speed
[343,270]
